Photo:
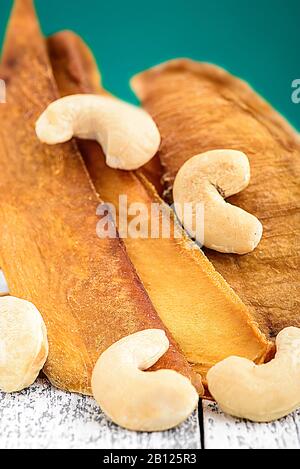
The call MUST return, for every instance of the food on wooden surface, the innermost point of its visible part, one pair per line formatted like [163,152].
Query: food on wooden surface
[127,134]
[205,316]
[203,182]
[260,393]
[139,400]
[23,344]
[200,107]
[85,287]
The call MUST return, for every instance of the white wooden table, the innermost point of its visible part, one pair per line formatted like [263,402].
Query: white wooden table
[44,417]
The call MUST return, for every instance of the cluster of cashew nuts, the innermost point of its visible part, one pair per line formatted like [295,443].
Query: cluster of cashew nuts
[152,401]
[130,395]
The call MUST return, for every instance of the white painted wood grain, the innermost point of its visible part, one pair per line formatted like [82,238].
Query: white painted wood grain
[43,417]
[3,286]
[224,432]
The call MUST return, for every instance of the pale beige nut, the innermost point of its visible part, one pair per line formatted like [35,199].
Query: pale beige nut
[23,344]
[206,180]
[127,134]
[139,400]
[261,393]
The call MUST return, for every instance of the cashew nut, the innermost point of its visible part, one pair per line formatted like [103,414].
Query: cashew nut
[127,134]
[23,344]
[136,400]
[208,179]
[261,393]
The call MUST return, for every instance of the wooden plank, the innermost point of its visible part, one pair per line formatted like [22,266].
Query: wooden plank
[224,432]
[43,417]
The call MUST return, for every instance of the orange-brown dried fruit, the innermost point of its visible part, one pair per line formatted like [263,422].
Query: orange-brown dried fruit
[204,315]
[85,287]
[200,107]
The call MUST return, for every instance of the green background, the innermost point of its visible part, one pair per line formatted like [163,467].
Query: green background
[256,39]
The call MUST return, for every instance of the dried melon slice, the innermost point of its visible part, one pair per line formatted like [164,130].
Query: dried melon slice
[85,288]
[200,107]
[205,316]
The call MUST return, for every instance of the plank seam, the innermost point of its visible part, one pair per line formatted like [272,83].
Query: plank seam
[201,424]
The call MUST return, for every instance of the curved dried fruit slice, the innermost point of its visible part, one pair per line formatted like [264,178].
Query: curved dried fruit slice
[199,107]
[85,287]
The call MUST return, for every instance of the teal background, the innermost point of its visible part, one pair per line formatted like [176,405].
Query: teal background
[258,40]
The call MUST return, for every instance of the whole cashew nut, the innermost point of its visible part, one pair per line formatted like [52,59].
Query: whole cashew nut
[136,400]
[127,134]
[261,393]
[208,179]
[23,344]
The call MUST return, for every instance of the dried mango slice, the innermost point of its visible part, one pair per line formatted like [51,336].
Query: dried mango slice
[200,107]
[207,319]
[85,287]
